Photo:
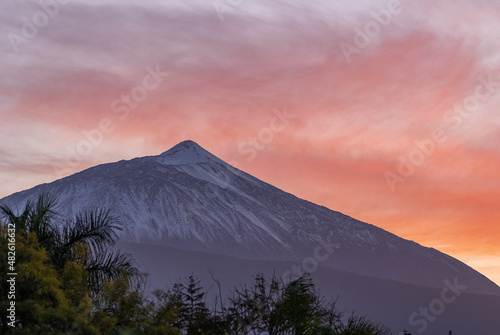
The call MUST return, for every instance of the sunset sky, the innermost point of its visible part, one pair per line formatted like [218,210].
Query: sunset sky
[387,111]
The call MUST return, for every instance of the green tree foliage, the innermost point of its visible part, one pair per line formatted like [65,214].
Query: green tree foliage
[193,313]
[46,302]
[163,310]
[59,267]
[68,283]
[300,309]
[360,325]
[276,308]
[84,239]
[253,309]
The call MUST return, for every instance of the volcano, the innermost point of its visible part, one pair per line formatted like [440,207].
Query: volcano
[187,211]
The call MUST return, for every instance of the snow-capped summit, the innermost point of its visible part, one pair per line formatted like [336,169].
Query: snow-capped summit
[187,152]
[188,198]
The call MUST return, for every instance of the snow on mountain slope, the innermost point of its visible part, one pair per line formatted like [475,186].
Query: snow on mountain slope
[188,198]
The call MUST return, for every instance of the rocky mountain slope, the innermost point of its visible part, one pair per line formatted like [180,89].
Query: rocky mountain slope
[189,199]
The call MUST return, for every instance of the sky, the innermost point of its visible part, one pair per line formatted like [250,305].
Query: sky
[386,111]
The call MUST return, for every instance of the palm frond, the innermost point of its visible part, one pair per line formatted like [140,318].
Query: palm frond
[103,267]
[20,221]
[92,231]
[85,239]
[97,229]
[41,220]
[43,209]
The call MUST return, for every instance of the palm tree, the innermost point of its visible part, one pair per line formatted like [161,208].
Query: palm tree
[84,239]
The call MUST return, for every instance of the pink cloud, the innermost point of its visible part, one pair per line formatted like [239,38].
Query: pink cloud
[351,121]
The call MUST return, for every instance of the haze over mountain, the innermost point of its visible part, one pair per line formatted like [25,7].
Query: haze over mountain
[188,203]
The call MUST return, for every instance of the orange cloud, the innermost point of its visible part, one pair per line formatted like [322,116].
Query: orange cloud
[349,122]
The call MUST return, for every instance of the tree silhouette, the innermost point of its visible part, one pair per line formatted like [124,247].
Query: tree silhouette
[84,239]
[193,312]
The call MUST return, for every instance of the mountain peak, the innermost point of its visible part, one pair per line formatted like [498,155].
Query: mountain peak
[184,145]
[187,152]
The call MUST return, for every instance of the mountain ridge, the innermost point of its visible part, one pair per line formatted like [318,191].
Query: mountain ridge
[188,198]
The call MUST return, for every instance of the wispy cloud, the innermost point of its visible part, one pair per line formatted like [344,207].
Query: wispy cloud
[353,120]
